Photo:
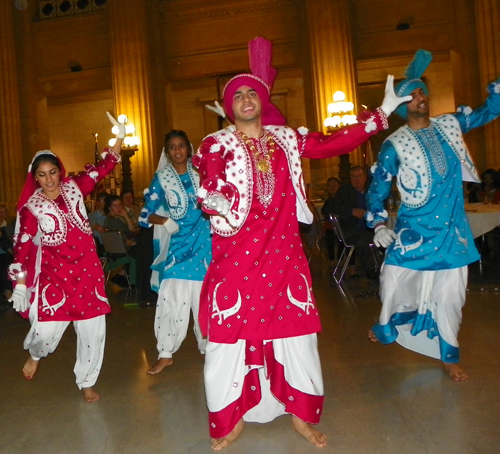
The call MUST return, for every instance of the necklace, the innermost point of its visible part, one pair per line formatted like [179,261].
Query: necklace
[261,151]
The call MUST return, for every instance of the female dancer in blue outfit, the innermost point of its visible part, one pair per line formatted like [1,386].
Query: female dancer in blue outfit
[182,246]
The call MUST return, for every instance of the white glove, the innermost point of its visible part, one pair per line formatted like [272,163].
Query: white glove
[217,109]
[383,236]
[221,205]
[171,226]
[391,101]
[19,298]
[119,129]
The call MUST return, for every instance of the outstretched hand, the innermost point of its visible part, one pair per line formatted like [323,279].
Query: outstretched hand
[217,109]
[391,101]
[119,128]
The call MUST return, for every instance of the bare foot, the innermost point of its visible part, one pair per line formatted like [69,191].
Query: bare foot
[371,336]
[221,443]
[29,368]
[90,395]
[313,436]
[160,365]
[455,372]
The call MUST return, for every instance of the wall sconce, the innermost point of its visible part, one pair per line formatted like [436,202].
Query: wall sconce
[339,111]
[129,146]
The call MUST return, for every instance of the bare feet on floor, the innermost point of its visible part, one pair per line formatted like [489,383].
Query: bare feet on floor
[371,336]
[90,395]
[455,372]
[160,365]
[313,436]
[221,443]
[29,369]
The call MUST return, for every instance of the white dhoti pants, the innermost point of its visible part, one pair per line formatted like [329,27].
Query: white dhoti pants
[44,337]
[435,297]
[289,382]
[177,298]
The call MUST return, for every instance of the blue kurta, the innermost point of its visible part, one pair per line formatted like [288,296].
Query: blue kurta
[190,249]
[432,229]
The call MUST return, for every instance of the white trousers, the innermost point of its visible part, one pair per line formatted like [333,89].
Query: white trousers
[225,371]
[177,298]
[440,293]
[44,337]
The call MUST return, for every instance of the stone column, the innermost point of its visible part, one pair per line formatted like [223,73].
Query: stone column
[332,69]
[131,72]
[488,42]
[12,171]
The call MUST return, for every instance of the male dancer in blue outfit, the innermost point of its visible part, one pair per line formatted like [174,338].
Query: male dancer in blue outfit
[424,277]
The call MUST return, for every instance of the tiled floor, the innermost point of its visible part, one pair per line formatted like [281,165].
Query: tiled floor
[379,399]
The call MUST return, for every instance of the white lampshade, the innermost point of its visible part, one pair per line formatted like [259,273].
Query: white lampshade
[112,142]
[338,96]
[122,118]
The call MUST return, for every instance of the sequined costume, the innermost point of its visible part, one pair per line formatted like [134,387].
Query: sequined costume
[257,299]
[55,247]
[55,250]
[181,260]
[433,235]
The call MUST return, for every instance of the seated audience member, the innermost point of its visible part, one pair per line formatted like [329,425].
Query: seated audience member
[97,217]
[489,192]
[489,189]
[332,186]
[128,202]
[3,215]
[5,253]
[472,192]
[117,218]
[350,205]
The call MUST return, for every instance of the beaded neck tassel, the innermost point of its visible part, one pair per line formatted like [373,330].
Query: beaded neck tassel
[262,150]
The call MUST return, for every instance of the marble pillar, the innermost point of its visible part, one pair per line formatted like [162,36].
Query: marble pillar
[12,171]
[132,86]
[332,69]
[488,42]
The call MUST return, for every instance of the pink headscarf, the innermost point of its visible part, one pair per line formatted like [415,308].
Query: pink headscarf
[30,184]
[261,80]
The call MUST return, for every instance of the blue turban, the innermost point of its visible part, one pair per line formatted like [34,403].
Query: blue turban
[413,73]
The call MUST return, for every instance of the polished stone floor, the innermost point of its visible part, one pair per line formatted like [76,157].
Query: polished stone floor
[379,399]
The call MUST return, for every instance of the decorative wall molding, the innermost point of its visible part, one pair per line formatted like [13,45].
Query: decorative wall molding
[196,10]
[50,9]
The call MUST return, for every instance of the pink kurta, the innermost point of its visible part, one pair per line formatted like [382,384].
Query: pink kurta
[263,271]
[258,285]
[64,273]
